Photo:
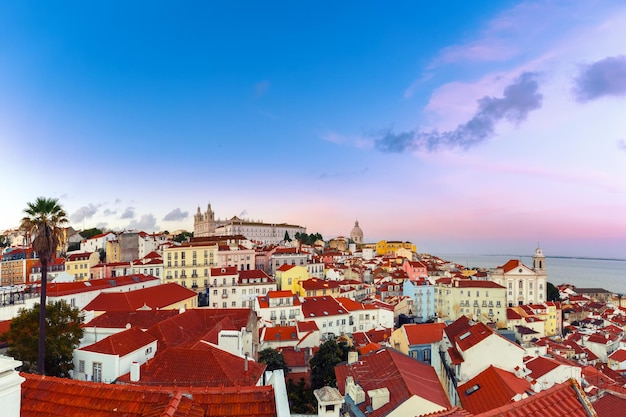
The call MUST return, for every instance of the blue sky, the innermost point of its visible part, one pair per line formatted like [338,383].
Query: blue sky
[464,127]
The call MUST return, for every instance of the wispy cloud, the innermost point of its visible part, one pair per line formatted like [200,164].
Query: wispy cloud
[175,215]
[83,213]
[109,212]
[621,144]
[345,174]
[146,223]
[261,88]
[519,98]
[129,213]
[606,77]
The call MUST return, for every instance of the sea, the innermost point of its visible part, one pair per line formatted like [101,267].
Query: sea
[609,274]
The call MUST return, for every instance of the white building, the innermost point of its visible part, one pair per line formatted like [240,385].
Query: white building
[97,242]
[524,285]
[112,357]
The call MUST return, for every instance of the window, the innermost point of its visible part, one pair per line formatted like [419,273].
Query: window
[81,366]
[149,350]
[214,292]
[234,304]
[97,372]
[224,304]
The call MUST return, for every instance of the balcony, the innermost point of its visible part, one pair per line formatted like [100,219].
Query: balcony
[224,295]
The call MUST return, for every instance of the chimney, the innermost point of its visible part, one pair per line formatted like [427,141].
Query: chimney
[245,364]
[10,387]
[378,397]
[134,372]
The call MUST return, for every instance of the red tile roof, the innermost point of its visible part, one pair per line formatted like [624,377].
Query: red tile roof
[610,405]
[307,326]
[158,297]
[141,318]
[562,400]
[224,271]
[204,366]
[279,333]
[540,366]
[314,307]
[619,355]
[59,289]
[312,284]
[188,328]
[491,388]
[45,396]
[285,267]
[121,343]
[402,375]
[426,333]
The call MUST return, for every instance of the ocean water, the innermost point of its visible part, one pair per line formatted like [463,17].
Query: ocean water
[609,274]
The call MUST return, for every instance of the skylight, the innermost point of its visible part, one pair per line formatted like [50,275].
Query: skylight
[472,389]
[465,335]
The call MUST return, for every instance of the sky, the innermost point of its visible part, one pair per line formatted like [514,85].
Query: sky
[464,127]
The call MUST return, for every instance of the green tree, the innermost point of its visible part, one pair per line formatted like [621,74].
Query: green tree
[286,238]
[63,334]
[89,233]
[301,399]
[182,237]
[5,242]
[323,363]
[43,223]
[552,293]
[273,359]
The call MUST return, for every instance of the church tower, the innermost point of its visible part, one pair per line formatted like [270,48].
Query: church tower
[539,262]
[204,224]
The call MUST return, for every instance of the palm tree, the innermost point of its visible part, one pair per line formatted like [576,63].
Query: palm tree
[43,222]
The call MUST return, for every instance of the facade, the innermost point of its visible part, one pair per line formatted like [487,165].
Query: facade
[16,266]
[524,285]
[97,242]
[423,295]
[390,247]
[483,301]
[278,308]
[80,264]
[55,268]
[205,224]
[113,356]
[189,264]
[288,277]
[418,341]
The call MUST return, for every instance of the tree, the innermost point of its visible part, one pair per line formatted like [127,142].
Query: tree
[63,334]
[552,293]
[43,222]
[182,237]
[323,363]
[273,359]
[5,242]
[89,233]
[286,238]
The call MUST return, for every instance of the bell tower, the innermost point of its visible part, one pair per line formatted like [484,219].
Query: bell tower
[539,262]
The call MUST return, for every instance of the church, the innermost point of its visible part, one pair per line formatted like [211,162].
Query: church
[524,285]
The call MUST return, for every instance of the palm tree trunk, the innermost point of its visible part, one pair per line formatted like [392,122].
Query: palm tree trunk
[41,352]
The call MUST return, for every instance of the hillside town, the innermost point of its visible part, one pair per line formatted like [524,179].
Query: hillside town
[174,324]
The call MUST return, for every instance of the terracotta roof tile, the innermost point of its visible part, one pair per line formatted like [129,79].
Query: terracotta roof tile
[562,400]
[180,367]
[491,388]
[426,333]
[156,297]
[45,396]
[403,376]
[120,319]
[121,343]
[610,405]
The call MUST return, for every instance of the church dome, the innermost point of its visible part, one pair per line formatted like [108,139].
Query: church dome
[356,234]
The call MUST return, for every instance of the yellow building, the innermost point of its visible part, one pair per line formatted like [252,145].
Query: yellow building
[483,301]
[316,287]
[190,264]
[288,277]
[390,247]
[80,264]
[113,251]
